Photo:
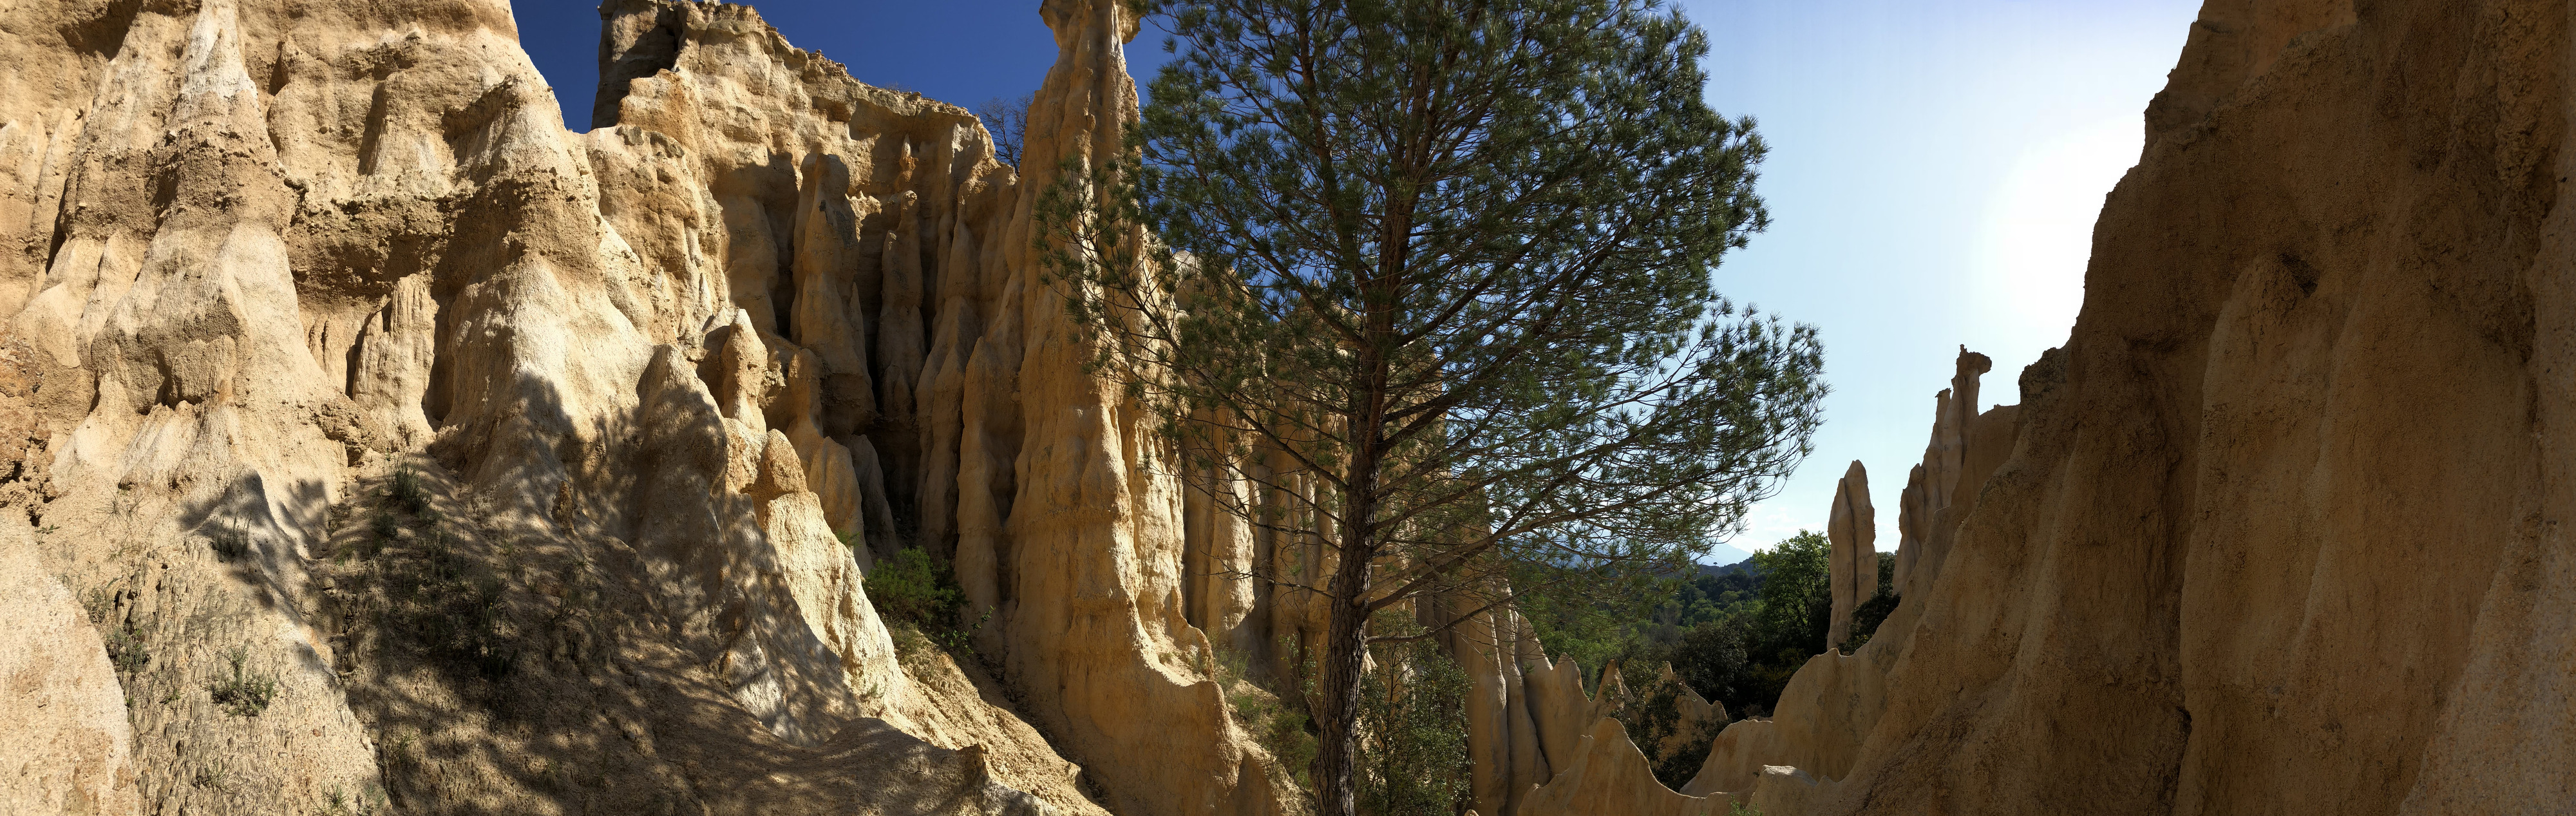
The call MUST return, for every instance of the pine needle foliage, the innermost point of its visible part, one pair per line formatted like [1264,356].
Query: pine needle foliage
[1430,282]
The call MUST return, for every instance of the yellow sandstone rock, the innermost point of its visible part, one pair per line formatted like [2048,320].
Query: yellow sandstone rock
[1852,566]
[2274,532]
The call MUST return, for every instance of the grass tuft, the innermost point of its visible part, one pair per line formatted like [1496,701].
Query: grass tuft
[125,649]
[338,802]
[214,776]
[409,492]
[244,694]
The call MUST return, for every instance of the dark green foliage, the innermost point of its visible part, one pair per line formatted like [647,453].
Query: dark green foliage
[1289,736]
[443,606]
[1866,618]
[480,643]
[1653,718]
[1713,593]
[917,593]
[1789,625]
[1872,612]
[1592,628]
[1735,634]
[442,610]
[1703,622]
[914,585]
[1456,260]
[1797,600]
[1710,658]
[243,694]
[1413,728]
[1278,723]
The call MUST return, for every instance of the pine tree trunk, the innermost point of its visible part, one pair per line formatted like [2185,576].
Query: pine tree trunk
[1345,644]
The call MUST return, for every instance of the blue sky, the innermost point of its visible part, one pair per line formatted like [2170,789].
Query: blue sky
[1935,169]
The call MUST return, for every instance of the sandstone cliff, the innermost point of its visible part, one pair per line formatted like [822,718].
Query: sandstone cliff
[2276,531]
[412,446]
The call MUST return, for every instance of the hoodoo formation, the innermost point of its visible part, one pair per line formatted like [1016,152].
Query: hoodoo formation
[1853,570]
[373,441]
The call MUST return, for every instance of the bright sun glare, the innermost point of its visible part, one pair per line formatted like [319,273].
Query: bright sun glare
[2038,232]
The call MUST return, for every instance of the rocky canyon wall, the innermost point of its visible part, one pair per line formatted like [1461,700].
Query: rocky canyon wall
[395,442]
[2278,530]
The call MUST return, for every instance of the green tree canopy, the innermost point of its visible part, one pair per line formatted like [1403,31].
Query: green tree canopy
[1797,592]
[1438,276]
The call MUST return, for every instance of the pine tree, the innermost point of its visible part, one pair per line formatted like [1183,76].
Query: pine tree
[1430,282]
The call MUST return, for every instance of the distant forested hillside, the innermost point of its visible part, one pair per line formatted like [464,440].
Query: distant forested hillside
[1734,633]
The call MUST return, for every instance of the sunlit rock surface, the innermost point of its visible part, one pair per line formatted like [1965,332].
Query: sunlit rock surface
[2276,531]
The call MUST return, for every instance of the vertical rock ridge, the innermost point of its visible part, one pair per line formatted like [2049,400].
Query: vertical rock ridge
[1852,572]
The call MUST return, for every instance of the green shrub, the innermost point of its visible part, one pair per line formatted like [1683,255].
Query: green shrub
[1710,658]
[244,694]
[1413,727]
[1736,635]
[1872,612]
[462,622]
[1653,717]
[1278,727]
[337,801]
[1867,617]
[1591,628]
[484,648]
[917,595]
[408,491]
[916,586]
[1287,735]
[1797,594]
